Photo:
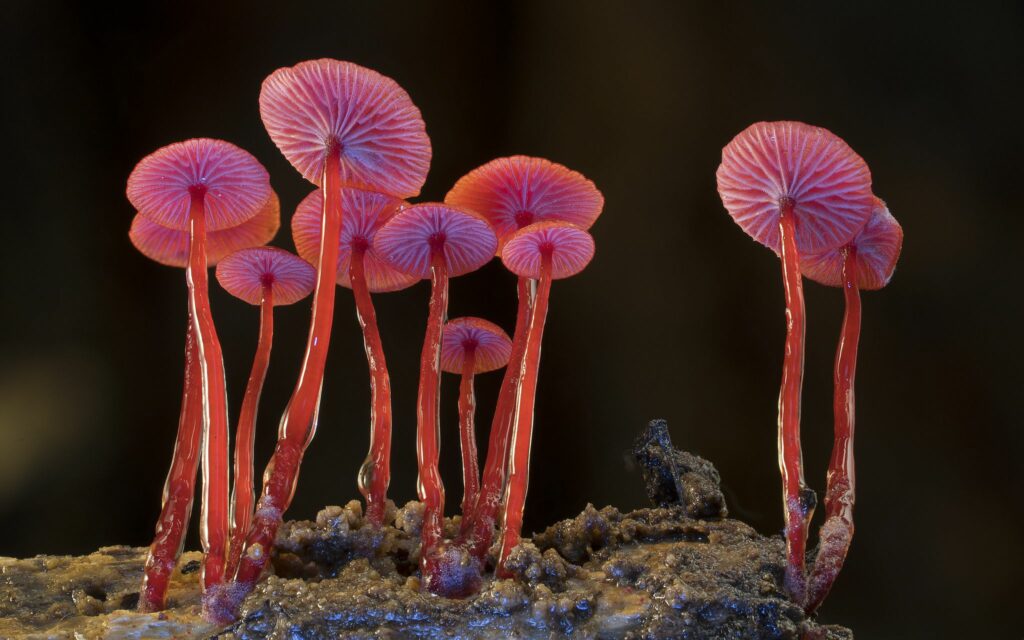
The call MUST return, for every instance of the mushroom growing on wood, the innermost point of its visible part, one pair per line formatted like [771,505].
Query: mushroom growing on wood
[361,269]
[265,277]
[866,262]
[796,189]
[204,185]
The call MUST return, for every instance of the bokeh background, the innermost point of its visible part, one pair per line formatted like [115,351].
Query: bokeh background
[679,316]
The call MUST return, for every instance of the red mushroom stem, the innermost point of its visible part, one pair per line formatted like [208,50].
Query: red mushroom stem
[243,498]
[430,487]
[179,489]
[298,424]
[215,516]
[467,435]
[837,531]
[798,498]
[522,433]
[375,472]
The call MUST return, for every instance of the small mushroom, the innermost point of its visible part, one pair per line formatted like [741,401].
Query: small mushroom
[434,241]
[361,269]
[543,251]
[866,262]
[266,277]
[470,346]
[796,189]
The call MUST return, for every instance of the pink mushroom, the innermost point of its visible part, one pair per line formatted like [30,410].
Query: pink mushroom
[543,251]
[866,262]
[470,346]
[204,185]
[795,189]
[512,193]
[435,241]
[363,271]
[265,277]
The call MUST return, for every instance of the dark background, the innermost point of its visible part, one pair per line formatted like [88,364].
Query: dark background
[679,316]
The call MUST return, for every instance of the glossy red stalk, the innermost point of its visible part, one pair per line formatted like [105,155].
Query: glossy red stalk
[522,433]
[245,431]
[837,531]
[375,473]
[179,488]
[467,436]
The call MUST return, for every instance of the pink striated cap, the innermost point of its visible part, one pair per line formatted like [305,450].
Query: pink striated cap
[317,103]
[829,184]
[170,247]
[571,249]
[490,344]
[517,191]
[244,273]
[406,240]
[235,183]
[363,214]
[877,245]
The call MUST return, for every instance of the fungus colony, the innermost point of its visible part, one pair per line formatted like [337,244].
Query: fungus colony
[357,135]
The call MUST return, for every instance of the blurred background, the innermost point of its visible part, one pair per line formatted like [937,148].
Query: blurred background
[679,316]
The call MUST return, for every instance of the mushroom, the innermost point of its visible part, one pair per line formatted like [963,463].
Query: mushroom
[203,185]
[265,277]
[796,189]
[338,124]
[470,346]
[363,271]
[543,251]
[435,241]
[512,193]
[866,262]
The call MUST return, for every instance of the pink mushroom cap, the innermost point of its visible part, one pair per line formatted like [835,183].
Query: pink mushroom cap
[517,191]
[877,245]
[170,246]
[244,273]
[364,213]
[571,249]
[406,240]
[236,185]
[379,131]
[491,346]
[828,183]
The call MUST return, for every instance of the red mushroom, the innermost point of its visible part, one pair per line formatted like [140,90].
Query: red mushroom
[543,251]
[796,189]
[363,271]
[513,193]
[266,277]
[436,241]
[470,346]
[204,185]
[866,262]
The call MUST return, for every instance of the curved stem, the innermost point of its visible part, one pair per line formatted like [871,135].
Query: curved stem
[837,532]
[467,436]
[798,499]
[179,488]
[375,473]
[215,515]
[245,431]
[522,434]
[429,485]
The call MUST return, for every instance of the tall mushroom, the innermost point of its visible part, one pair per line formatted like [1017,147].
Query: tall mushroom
[363,271]
[796,189]
[339,124]
[512,193]
[470,346]
[435,241]
[266,277]
[543,251]
[866,262]
[203,185]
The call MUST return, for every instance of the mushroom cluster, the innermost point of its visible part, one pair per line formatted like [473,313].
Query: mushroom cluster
[359,138]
